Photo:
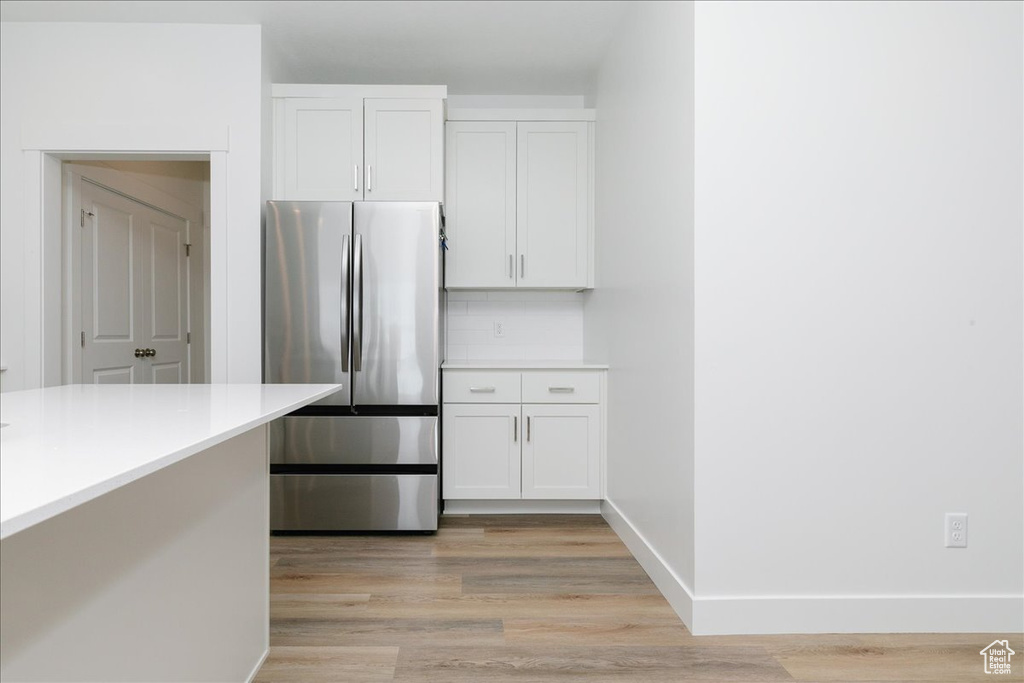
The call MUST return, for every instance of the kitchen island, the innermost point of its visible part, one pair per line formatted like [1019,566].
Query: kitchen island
[134,527]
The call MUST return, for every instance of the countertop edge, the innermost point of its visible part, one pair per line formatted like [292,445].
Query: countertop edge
[30,518]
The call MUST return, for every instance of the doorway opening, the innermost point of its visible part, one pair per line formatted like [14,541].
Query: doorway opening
[136,271]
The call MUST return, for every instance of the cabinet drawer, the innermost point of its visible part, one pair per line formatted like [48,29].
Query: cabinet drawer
[561,387]
[481,387]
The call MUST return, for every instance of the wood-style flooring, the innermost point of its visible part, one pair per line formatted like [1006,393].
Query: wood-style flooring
[539,598]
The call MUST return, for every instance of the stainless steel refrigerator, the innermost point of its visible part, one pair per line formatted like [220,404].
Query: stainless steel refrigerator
[352,296]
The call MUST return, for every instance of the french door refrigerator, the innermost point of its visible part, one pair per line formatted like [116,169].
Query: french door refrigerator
[353,294]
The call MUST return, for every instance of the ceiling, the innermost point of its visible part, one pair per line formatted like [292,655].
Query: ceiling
[474,46]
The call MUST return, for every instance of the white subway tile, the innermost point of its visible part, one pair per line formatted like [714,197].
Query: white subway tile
[510,352]
[456,352]
[466,295]
[504,308]
[456,307]
[468,322]
[468,337]
[552,352]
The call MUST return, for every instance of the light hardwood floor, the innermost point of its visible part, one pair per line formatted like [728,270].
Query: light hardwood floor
[540,598]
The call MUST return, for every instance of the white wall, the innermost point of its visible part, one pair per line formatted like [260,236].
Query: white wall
[639,319]
[859,309]
[119,82]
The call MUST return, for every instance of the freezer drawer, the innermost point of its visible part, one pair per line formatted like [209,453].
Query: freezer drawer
[353,502]
[353,440]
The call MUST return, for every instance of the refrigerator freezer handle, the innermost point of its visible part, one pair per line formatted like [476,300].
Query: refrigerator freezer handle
[346,303]
[357,306]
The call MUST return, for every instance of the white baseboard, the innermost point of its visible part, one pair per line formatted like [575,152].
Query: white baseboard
[749,615]
[259,665]
[522,507]
[671,585]
[859,614]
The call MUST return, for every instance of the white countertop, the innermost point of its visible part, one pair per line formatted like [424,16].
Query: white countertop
[67,445]
[521,365]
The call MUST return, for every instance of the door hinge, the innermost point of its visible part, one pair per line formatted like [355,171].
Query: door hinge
[83,339]
[188,249]
[188,337]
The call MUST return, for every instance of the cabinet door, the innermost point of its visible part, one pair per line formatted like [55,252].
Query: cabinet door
[481,204]
[561,451]
[404,149]
[323,148]
[480,455]
[552,192]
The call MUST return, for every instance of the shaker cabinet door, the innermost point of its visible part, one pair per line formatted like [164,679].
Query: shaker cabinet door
[323,149]
[481,204]
[561,452]
[404,149]
[480,456]
[552,196]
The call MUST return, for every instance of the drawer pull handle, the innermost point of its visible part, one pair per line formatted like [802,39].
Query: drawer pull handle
[515,428]
[482,390]
[561,390]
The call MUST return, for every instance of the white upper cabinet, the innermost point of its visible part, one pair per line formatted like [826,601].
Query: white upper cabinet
[323,148]
[481,204]
[404,149]
[552,193]
[519,204]
[346,143]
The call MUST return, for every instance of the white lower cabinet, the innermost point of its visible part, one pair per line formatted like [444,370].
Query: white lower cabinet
[535,451]
[561,452]
[481,450]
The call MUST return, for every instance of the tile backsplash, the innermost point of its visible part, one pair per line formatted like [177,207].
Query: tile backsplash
[534,325]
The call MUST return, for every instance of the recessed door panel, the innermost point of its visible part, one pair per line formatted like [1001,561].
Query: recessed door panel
[114,284]
[167,373]
[122,375]
[167,280]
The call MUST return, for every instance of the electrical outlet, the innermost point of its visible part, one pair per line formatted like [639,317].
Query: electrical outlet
[499,328]
[956,529]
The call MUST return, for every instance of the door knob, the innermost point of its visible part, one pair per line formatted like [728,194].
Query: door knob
[150,353]
[139,353]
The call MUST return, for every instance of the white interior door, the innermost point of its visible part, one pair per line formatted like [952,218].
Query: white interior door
[133,288]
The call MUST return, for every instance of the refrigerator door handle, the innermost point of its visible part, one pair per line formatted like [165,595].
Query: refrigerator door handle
[357,306]
[346,304]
